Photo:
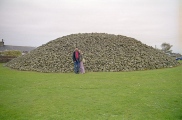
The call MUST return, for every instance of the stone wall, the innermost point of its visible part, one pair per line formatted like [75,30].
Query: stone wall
[4,59]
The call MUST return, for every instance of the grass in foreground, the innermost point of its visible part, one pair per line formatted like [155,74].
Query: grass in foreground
[141,95]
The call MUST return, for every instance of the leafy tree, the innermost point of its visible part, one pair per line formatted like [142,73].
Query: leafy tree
[166,48]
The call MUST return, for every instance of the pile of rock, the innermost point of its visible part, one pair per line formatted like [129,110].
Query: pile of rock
[102,52]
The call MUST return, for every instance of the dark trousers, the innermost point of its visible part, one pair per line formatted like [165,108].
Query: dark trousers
[76,66]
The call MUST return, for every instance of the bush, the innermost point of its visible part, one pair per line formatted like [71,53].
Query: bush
[14,53]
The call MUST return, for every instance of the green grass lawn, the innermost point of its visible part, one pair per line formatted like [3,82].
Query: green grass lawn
[140,95]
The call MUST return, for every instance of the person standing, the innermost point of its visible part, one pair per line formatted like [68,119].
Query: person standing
[82,69]
[76,60]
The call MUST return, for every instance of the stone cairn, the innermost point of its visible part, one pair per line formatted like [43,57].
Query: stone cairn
[102,52]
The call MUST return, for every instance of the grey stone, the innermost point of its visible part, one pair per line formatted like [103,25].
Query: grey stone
[102,52]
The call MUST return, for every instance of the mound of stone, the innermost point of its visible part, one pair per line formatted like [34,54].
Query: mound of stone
[102,52]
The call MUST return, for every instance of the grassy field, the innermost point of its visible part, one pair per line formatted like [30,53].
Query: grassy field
[140,95]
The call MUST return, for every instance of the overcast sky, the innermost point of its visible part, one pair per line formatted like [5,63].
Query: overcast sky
[36,22]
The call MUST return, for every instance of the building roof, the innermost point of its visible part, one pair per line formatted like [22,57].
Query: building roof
[20,48]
